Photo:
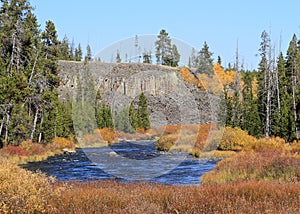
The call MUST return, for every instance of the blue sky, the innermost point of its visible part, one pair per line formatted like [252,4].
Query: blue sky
[220,23]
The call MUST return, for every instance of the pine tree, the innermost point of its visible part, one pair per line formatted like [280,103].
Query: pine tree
[281,111]
[118,57]
[166,53]
[175,56]
[219,60]
[204,60]
[147,57]
[88,53]
[292,71]
[142,113]
[64,49]
[30,108]
[72,51]
[122,120]
[193,59]
[78,53]
[228,104]
[250,115]
[264,87]
[163,47]
[133,116]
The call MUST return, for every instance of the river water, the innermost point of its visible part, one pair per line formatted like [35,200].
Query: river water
[125,161]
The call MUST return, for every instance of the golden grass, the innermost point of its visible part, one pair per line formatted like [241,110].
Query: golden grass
[113,197]
[263,177]
[267,159]
[25,192]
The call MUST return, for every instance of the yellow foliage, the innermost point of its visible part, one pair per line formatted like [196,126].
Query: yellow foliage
[269,144]
[227,78]
[211,83]
[62,143]
[188,76]
[235,139]
[108,134]
[22,191]
[100,137]
[255,87]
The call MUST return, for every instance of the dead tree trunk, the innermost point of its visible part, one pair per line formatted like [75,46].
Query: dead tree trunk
[34,124]
[6,126]
[294,102]
[3,121]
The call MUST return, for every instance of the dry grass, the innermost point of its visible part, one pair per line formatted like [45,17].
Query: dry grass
[267,159]
[112,197]
[264,177]
[24,192]
[100,137]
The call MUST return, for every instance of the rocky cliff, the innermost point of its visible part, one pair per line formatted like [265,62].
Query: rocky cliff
[171,99]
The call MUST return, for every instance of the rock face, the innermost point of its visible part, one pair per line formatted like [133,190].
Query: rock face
[171,100]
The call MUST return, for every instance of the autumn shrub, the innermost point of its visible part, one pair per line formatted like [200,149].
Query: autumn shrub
[278,166]
[62,143]
[92,139]
[267,144]
[171,129]
[166,142]
[148,135]
[108,134]
[14,151]
[186,138]
[235,139]
[33,148]
[22,191]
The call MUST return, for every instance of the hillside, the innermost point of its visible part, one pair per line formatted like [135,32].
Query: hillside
[171,99]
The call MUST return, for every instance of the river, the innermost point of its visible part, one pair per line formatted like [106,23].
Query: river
[125,161]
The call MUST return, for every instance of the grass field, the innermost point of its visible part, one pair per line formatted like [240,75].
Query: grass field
[260,176]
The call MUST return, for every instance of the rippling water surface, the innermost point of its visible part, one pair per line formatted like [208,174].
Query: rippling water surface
[125,161]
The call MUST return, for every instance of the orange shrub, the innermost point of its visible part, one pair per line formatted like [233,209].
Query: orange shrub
[172,129]
[62,143]
[14,151]
[107,134]
[186,137]
[141,130]
[33,148]
[92,139]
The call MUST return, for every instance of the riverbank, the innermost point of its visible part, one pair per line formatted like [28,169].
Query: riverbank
[33,152]
[24,192]
[262,175]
